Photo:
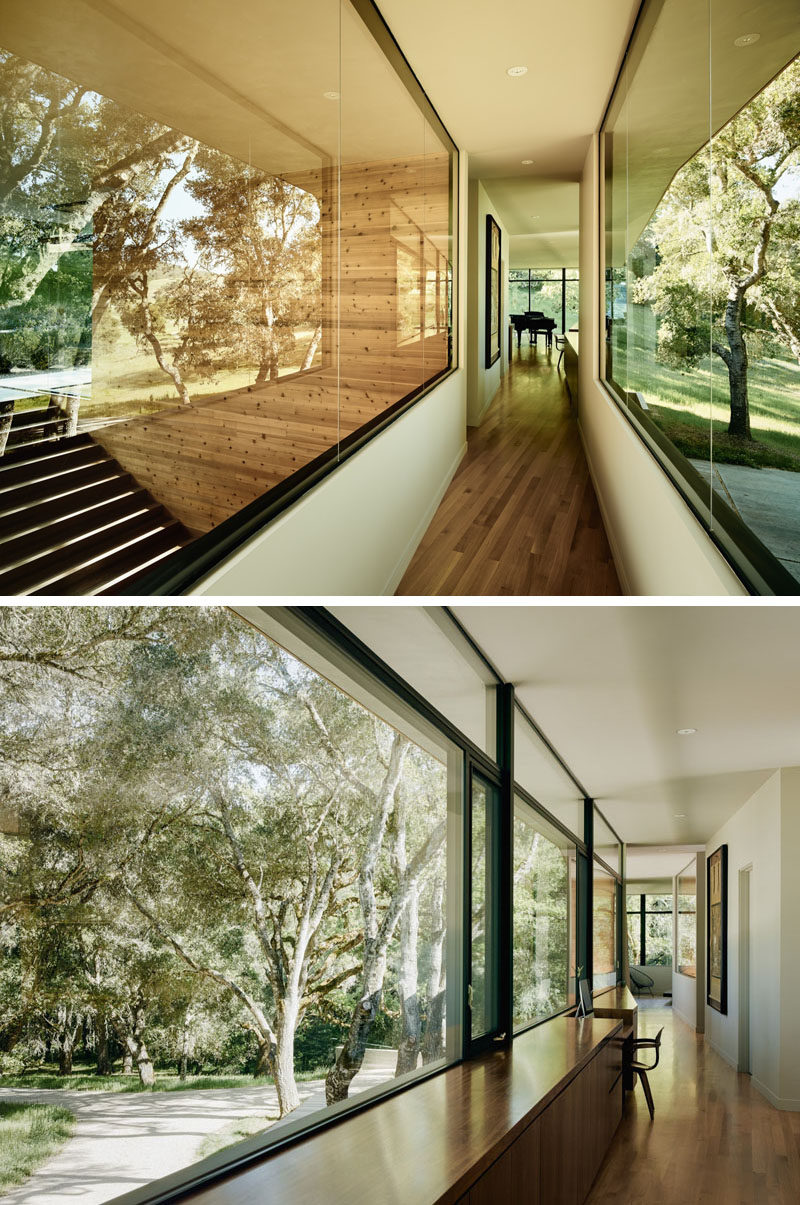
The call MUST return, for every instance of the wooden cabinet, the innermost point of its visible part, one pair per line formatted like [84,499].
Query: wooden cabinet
[515,1176]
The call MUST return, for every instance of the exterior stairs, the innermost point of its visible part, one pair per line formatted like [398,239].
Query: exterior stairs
[73,521]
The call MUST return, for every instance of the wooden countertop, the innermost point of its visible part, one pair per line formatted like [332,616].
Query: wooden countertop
[428,1143]
[614,997]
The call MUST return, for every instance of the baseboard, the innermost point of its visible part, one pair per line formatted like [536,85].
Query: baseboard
[779,1102]
[723,1054]
[616,554]
[396,576]
[686,1020]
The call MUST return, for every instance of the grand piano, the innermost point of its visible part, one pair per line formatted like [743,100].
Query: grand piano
[535,323]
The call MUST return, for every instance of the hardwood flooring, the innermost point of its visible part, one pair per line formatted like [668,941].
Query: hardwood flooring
[521,515]
[714,1141]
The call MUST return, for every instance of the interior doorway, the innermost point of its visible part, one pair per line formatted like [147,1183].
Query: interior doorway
[744,971]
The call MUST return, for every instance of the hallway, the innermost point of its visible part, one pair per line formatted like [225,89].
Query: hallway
[714,1141]
[520,516]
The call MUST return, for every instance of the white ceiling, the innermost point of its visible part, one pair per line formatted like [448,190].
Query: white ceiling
[645,863]
[610,685]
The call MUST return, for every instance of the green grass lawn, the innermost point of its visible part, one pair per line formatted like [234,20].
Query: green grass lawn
[679,400]
[29,1134]
[85,1079]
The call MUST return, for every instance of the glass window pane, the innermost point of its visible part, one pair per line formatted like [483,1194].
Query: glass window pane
[293,905]
[212,275]
[544,917]
[604,928]
[700,286]
[483,912]
[538,772]
[606,843]
[687,922]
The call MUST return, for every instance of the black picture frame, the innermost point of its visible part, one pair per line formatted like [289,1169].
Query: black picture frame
[493,294]
[717,930]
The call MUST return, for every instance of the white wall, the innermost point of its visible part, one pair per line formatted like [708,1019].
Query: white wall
[661,976]
[356,532]
[658,545]
[483,382]
[765,835]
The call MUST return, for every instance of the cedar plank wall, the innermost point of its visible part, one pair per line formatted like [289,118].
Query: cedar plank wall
[205,462]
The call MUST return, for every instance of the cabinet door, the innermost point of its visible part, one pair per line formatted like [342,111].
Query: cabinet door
[562,1146]
[526,1166]
[495,1185]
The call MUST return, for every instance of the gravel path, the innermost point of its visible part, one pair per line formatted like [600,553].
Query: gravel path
[124,1140]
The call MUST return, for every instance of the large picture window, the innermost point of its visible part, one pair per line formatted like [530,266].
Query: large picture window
[227,874]
[604,928]
[220,260]
[701,277]
[687,922]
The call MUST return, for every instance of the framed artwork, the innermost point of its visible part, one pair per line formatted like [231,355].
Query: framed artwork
[492,291]
[717,888]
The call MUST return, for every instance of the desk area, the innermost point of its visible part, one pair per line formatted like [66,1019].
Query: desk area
[620,1002]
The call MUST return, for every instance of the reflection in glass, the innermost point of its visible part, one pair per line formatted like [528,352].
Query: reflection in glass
[544,917]
[702,281]
[687,922]
[604,928]
[540,774]
[214,278]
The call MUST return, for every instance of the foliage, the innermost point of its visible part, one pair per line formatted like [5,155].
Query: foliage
[188,815]
[719,259]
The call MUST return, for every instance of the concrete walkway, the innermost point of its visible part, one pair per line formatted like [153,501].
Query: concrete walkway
[767,500]
[124,1140]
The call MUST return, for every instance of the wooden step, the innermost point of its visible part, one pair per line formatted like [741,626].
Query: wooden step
[87,498]
[101,572]
[23,549]
[33,467]
[59,490]
[15,456]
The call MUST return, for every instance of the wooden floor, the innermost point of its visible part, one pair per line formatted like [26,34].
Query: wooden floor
[714,1141]
[521,514]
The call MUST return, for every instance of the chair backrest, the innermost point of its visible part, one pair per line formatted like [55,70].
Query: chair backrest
[640,978]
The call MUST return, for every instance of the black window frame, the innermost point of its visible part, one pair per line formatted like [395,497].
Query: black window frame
[643,912]
[514,277]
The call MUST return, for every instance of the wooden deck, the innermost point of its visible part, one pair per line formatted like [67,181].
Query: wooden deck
[206,461]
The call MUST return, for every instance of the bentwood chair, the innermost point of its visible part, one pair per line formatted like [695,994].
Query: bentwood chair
[641,1069]
[560,341]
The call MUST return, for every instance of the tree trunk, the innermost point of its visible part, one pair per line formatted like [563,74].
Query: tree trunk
[185,1045]
[433,1041]
[736,360]
[127,1062]
[65,1056]
[348,1064]
[311,350]
[172,370]
[103,1053]
[285,1084]
[408,1050]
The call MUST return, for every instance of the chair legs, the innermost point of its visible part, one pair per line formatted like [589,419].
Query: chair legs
[648,1095]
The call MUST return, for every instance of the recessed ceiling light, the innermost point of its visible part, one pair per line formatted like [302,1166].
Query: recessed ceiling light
[686,731]
[527,162]
[331,95]
[679,815]
[516,70]
[747,39]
